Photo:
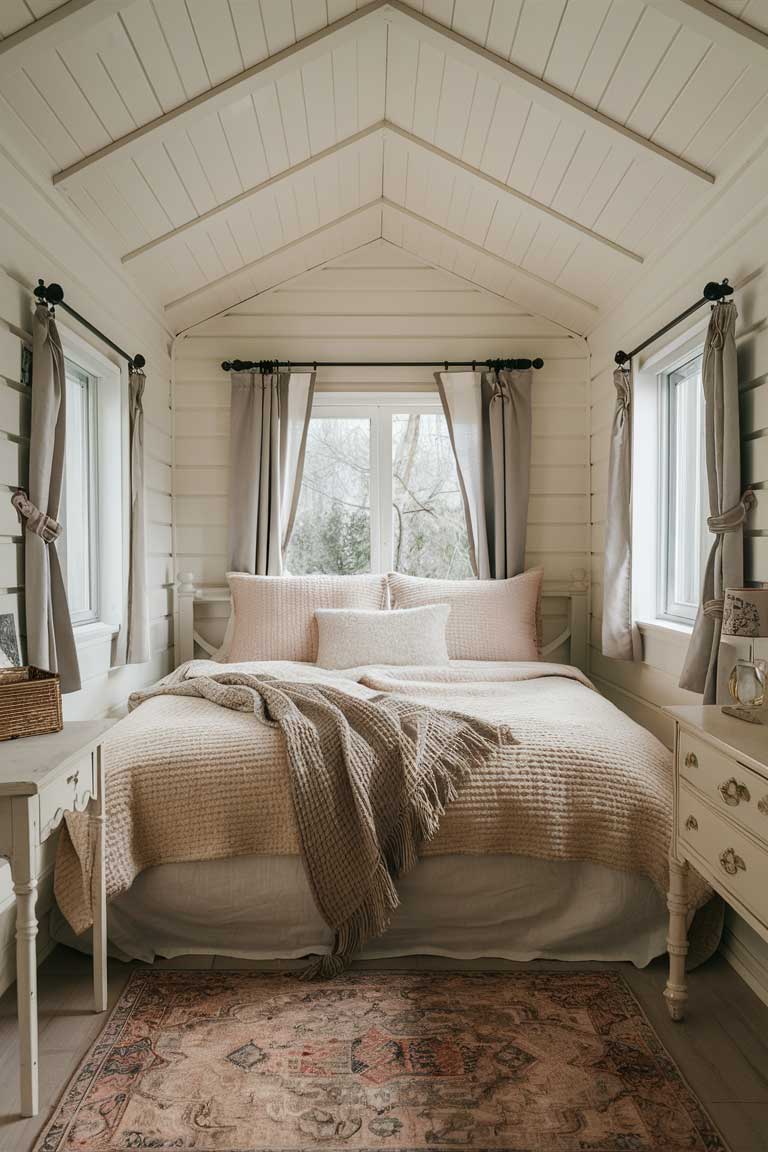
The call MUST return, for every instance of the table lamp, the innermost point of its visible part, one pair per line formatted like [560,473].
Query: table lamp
[745,614]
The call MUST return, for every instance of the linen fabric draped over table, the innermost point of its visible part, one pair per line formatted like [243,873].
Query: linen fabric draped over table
[269,421]
[489,422]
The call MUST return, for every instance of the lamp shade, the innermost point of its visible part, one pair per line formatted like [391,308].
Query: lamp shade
[745,612]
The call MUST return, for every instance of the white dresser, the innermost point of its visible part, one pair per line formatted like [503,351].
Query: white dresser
[720,825]
[42,778]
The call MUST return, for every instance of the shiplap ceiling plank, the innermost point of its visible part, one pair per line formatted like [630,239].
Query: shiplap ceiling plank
[61,23]
[737,36]
[368,26]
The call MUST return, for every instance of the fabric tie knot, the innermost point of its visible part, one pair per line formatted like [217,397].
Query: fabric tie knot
[38,522]
[713,608]
[730,520]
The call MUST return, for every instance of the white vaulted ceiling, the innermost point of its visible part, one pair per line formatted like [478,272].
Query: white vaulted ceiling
[545,149]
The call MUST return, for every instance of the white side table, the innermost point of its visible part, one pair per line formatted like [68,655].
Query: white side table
[41,778]
[720,825]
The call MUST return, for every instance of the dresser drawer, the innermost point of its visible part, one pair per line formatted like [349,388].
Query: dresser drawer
[741,793]
[737,862]
[71,792]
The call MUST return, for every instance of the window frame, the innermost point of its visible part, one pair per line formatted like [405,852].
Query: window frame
[109,464]
[378,408]
[92,614]
[667,608]
[648,430]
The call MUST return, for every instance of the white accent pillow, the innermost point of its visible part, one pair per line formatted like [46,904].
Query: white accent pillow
[274,616]
[350,638]
[490,619]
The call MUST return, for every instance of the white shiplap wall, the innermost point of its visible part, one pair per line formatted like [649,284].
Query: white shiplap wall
[723,242]
[96,288]
[380,303]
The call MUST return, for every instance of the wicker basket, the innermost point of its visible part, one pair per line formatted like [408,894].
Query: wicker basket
[30,702]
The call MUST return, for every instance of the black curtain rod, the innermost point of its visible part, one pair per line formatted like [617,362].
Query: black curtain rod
[712,293]
[270,365]
[53,294]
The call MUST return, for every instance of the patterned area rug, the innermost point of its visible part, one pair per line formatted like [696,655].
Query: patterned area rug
[248,1062]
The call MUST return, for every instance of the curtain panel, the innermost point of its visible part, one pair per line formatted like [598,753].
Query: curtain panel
[50,639]
[269,421]
[489,423]
[620,640]
[138,646]
[728,506]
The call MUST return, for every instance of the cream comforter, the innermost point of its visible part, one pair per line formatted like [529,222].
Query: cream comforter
[187,780]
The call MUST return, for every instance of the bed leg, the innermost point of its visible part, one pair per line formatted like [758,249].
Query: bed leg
[676,991]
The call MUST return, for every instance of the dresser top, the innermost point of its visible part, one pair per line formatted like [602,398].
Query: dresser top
[27,764]
[738,738]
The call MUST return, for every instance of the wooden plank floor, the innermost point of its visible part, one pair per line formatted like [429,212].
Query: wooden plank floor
[721,1048]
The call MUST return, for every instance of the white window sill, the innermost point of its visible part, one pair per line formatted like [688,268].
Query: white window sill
[665,628]
[95,632]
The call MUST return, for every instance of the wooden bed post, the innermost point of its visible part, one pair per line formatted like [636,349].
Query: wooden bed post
[186,594]
[578,622]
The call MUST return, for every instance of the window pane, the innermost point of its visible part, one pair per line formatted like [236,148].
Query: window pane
[332,531]
[687,536]
[429,531]
[77,505]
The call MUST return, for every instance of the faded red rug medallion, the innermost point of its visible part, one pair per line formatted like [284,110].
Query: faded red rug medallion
[248,1062]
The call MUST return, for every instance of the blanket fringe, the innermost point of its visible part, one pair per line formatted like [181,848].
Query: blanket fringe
[451,767]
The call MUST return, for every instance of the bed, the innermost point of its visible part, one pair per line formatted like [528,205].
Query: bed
[512,889]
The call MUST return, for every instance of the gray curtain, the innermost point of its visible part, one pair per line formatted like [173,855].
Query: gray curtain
[138,649]
[728,507]
[489,422]
[50,640]
[269,420]
[620,639]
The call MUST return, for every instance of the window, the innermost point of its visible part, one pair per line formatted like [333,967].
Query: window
[379,491]
[683,539]
[93,508]
[80,495]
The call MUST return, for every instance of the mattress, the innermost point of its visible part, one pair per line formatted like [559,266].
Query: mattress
[509,907]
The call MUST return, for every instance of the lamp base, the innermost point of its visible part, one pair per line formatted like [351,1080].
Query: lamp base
[751,715]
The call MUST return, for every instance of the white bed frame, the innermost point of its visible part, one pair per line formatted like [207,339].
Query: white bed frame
[203,611]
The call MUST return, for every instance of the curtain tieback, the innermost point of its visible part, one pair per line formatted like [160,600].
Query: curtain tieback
[713,608]
[733,517]
[38,522]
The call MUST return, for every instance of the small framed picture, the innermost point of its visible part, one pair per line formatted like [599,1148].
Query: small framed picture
[10,646]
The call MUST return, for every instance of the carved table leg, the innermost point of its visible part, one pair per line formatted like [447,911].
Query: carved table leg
[99,895]
[676,992]
[24,867]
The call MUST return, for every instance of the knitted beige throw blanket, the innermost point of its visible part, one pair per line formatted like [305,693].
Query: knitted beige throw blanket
[369,778]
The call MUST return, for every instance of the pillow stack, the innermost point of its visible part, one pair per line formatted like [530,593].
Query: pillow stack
[342,622]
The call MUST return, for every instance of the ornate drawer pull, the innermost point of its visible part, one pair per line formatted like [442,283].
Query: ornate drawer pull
[731,863]
[733,792]
[692,824]
[691,760]
[73,779]
[762,805]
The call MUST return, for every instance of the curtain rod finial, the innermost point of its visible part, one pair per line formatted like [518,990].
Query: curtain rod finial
[621,358]
[538,362]
[138,361]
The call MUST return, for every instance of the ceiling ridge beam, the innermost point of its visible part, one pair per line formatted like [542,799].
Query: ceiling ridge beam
[266,71]
[538,90]
[537,205]
[721,27]
[325,39]
[279,177]
[68,20]
[382,127]
[270,255]
[549,285]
